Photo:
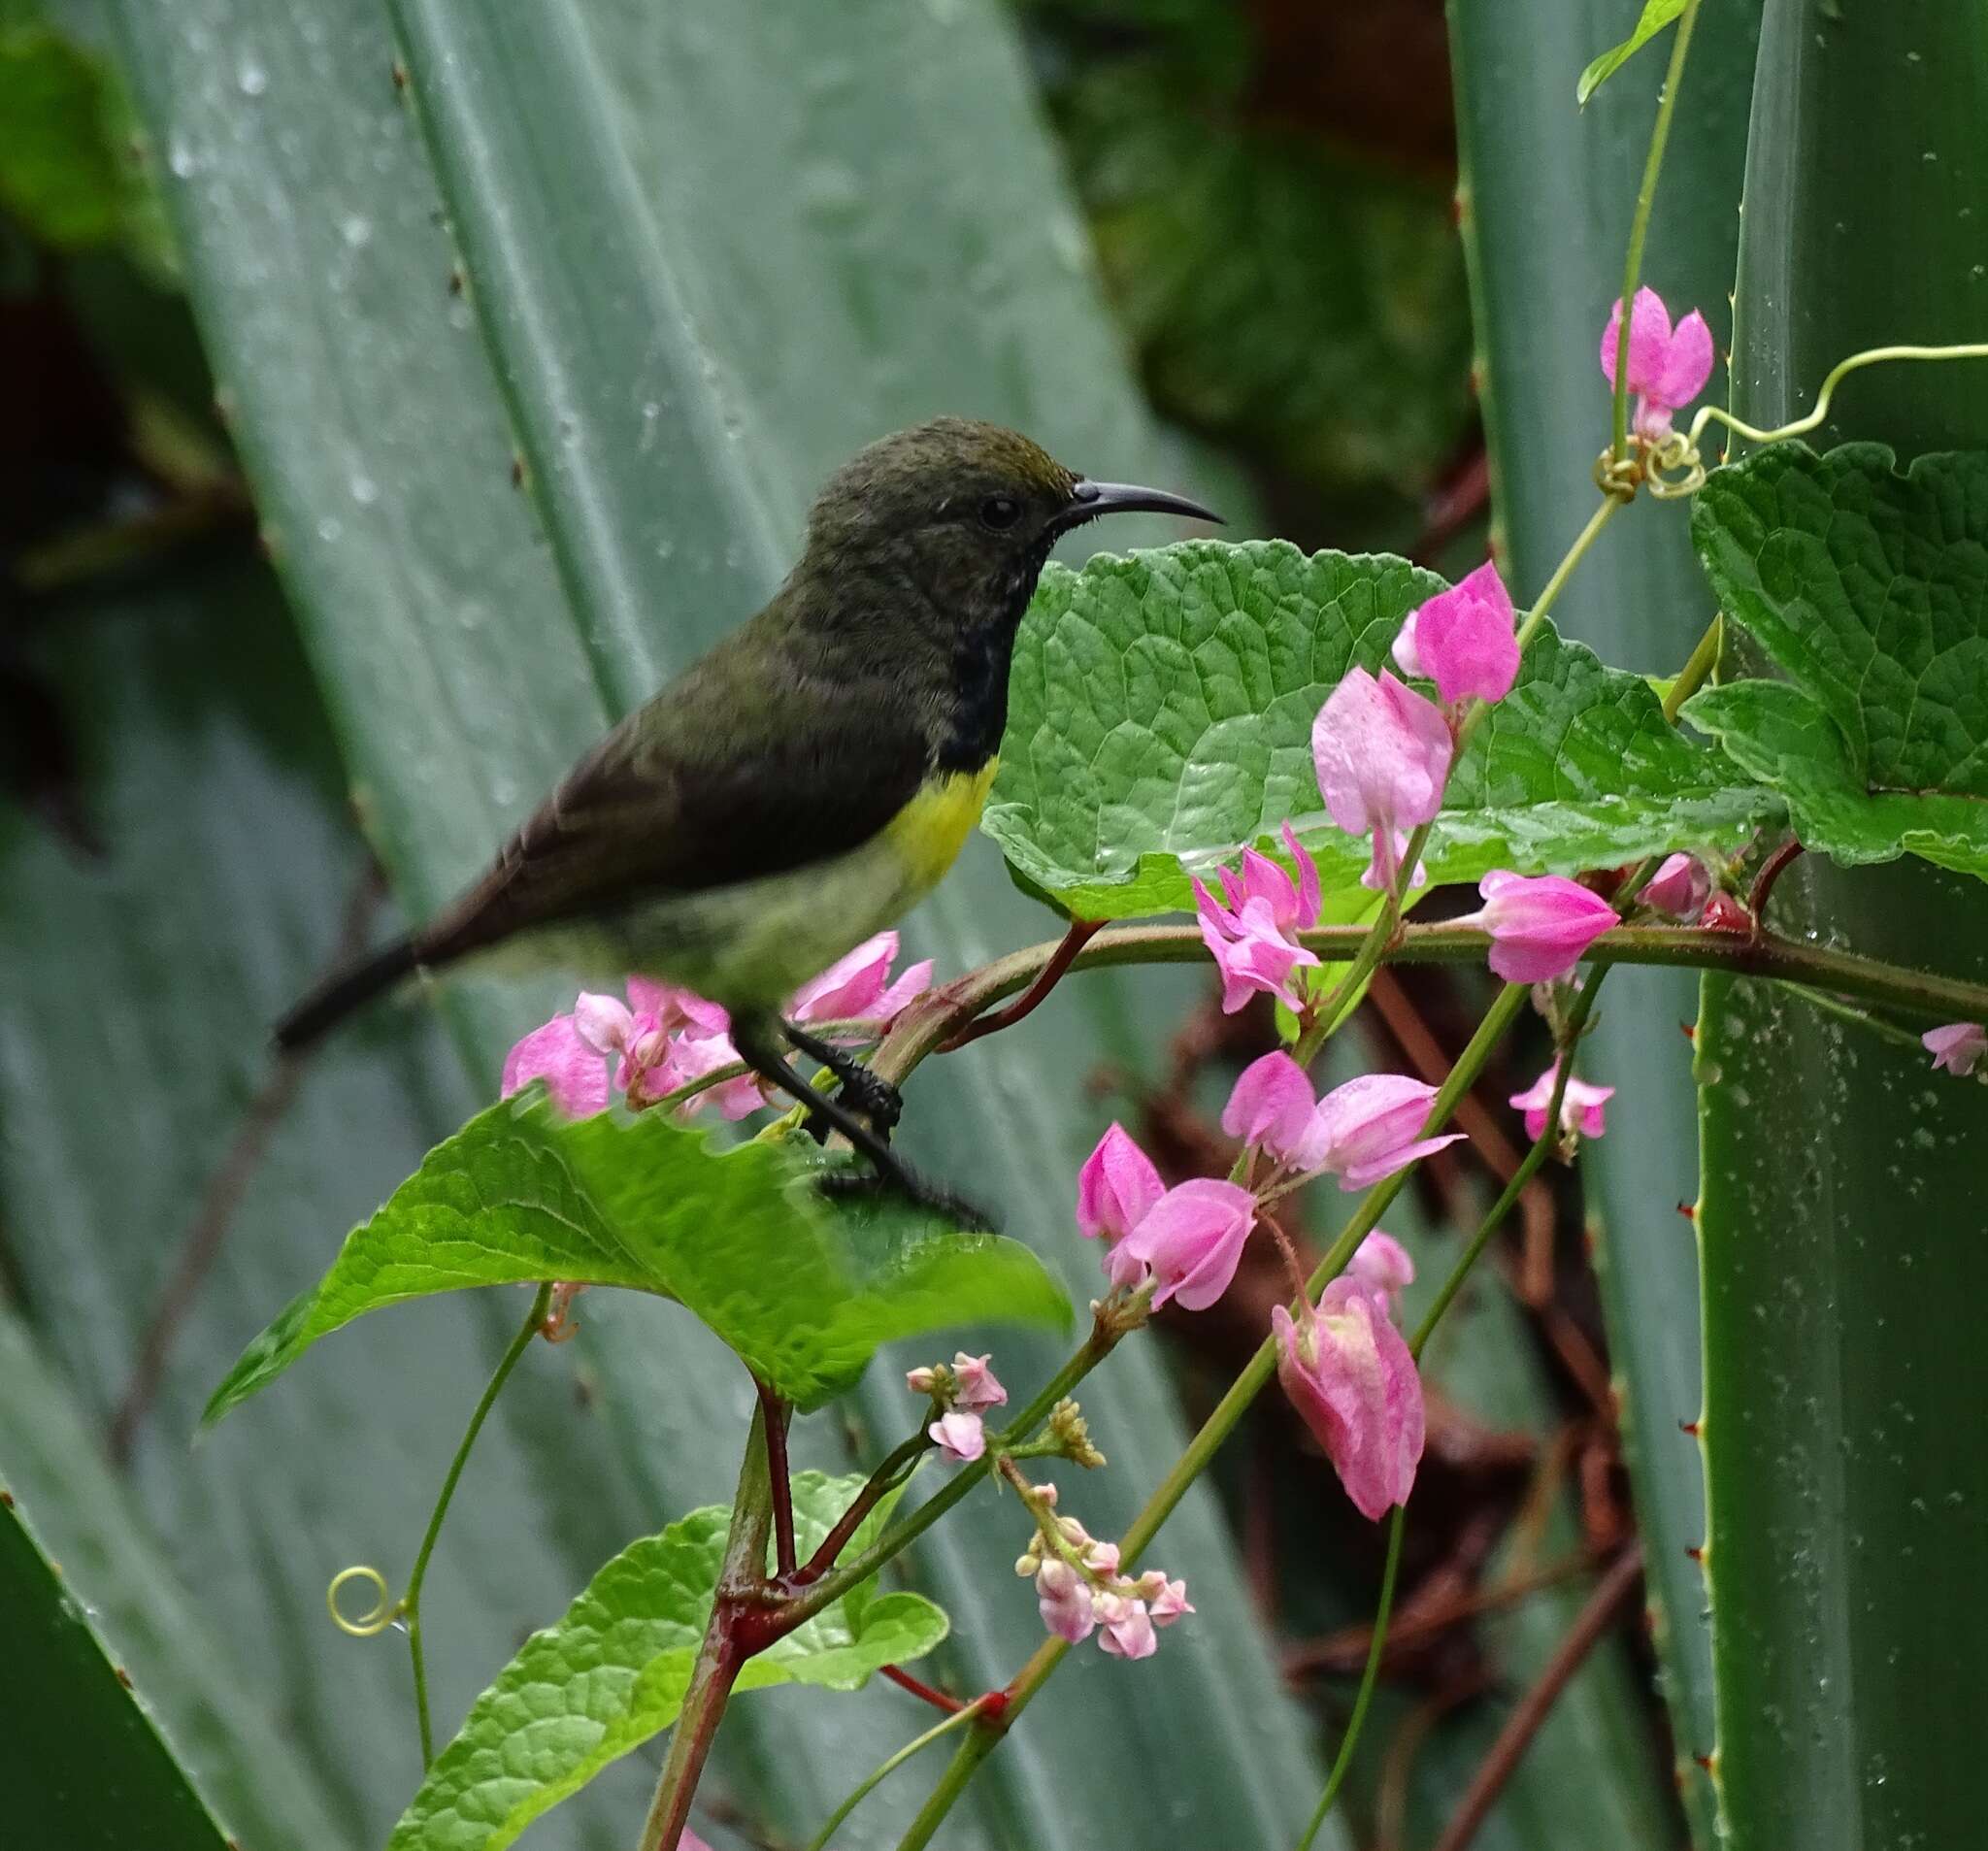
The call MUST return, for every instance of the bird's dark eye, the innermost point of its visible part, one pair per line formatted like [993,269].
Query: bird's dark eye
[1000,512]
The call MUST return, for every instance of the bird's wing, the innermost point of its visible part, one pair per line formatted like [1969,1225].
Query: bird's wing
[730,773]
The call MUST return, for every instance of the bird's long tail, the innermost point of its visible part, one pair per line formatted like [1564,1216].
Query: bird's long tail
[340,993]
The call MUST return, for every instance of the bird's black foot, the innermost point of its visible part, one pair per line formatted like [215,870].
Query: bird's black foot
[862,1089]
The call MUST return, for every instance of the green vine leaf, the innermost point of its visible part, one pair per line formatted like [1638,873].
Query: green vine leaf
[1160,718]
[803,1289]
[1868,588]
[1656,15]
[612,1671]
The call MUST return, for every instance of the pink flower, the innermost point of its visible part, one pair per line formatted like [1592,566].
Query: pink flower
[1251,931]
[1381,1264]
[1189,1240]
[1170,1603]
[1462,639]
[1369,1128]
[1666,368]
[1581,1105]
[1540,924]
[1271,1105]
[1128,1627]
[1362,1130]
[1348,1374]
[1956,1048]
[574,1072]
[856,988]
[1382,755]
[1681,887]
[974,1385]
[959,1435]
[1115,1187]
[1063,1598]
[688,1840]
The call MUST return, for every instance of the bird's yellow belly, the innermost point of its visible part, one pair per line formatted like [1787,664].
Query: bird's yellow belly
[752,944]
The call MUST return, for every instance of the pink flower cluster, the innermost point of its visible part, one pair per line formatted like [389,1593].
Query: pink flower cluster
[662,1039]
[960,1392]
[1081,1589]
[1251,931]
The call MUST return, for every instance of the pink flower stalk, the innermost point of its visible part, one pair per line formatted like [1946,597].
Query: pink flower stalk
[1251,931]
[1348,1372]
[1128,1627]
[1381,1265]
[1540,924]
[1365,1130]
[1957,1046]
[1462,639]
[1063,1598]
[974,1385]
[1188,1243]
[1382,755]
[959,1435]
[1582,1106]
[1681,887]
[1668,368]
[1115,1187]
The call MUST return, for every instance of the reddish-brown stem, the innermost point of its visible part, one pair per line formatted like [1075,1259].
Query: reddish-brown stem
[777,1413]
[860,1507]
[1081,933]
[1764,883]
[938,1699]
[1517,1737]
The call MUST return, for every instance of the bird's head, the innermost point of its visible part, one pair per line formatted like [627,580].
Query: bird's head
[964,510]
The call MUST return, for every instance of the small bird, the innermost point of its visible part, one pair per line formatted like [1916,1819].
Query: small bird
[802,784]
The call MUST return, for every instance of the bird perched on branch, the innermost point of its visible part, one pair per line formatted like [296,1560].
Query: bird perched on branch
[806,781]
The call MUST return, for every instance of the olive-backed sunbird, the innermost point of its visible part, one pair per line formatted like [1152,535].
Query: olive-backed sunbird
[804,784]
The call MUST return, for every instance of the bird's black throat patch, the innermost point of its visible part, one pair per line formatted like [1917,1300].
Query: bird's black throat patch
[980,663]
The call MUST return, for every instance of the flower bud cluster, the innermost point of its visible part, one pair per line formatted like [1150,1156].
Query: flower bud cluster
[959,1391]
[1080,1587]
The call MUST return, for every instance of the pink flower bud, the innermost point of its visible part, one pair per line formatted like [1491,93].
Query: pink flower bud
[1582,1106]
[960,1436]
[1100,1557]
[921,1381]
[1348,1372]
[974,1382]
[1681,887]
[1170,1603]
[1540,924]
[1063,1598]
[1369,1128]
[1190,1241]
[1668,368]
[1462,639]
[1382,755]
[1128,1627]
[575,1074]
[1115,1187]
[1957,1046]
[1381,1264]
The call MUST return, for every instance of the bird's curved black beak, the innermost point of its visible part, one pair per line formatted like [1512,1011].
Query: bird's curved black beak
[1088,500]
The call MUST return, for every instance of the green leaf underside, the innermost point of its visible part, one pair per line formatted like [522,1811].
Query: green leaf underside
[803,1289]
[1867,587]
[1656,15]
[612,1671]
[1160,718]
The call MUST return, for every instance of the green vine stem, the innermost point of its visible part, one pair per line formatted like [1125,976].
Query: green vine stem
[1369,1677]
[1837,373]
[411,1602]
[1640,225]
[877,1775]
[741,1574]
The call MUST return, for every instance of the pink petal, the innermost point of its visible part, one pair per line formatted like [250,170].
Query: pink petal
[906,990]
[1687,363]
[1263,879]
[1191,1240]
[1309,902]
[960,1436]
[1381,1264]
[1649,341]
[575,1074]
[1680,887]
[1350,1377]
[1362,1172]
[1957,1046]
[849,989]
[1128,1627]
[1170,1603]
[1465,640]
[1063,1598]
[1117,1187]
[603,1022]
[1541,925]
[1407,657]
[1382,752]
[974,1385]
[1271,1105]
